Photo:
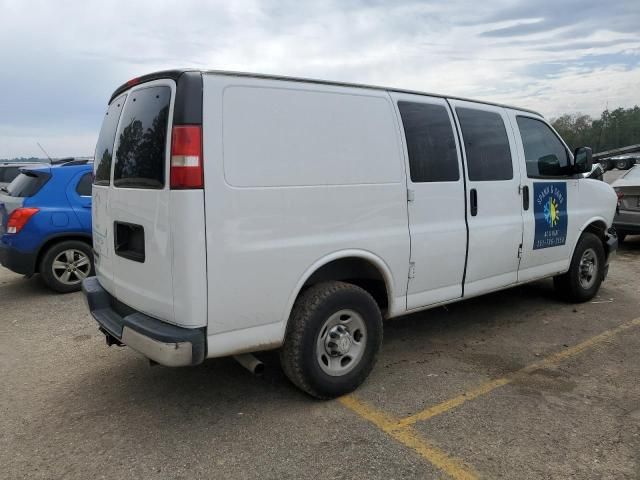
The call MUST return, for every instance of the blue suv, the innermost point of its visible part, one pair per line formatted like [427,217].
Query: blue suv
[45,224]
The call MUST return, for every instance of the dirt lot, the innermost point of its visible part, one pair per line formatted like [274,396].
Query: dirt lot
[512,385]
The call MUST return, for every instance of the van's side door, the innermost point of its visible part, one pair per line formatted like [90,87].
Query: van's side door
[494,212]
[436,204]
[550,203]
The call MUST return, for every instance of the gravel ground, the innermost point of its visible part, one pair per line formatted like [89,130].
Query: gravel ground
[73,408]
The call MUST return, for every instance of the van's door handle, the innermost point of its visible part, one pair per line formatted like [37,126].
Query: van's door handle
[474,202]
[525,197]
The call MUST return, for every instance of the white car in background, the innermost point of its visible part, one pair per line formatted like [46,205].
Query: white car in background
[627,188]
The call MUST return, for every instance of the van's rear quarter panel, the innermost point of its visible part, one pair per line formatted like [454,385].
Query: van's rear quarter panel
[263,236]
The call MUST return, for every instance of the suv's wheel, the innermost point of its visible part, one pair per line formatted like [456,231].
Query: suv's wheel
[334,334]
[64,265]
[584,277]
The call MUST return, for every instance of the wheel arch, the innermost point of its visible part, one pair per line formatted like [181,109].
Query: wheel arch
[360,267]
[57,238]
[597,226]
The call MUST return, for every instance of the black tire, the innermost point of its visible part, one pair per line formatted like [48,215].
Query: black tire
[569,285]
[75,280]
[313,308]
[620,164]
[630,164]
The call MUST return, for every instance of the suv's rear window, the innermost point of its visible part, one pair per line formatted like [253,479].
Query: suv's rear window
[142,139]
[104,147]
[27,184]
[7,174]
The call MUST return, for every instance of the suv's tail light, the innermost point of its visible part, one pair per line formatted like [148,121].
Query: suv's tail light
[186,157]
[19,218]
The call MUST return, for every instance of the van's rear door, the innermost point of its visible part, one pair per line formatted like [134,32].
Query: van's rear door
[148,221]
[101,221]
[139,199]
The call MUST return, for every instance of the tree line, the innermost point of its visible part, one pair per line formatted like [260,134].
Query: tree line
[614,129]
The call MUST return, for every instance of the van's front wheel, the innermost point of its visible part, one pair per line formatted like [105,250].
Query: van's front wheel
[334,334]
[582,281]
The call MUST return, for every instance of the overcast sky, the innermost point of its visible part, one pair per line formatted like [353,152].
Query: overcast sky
[60,61]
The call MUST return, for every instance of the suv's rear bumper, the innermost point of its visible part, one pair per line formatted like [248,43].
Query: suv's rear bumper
[162,342]
[17,261]
[627,221]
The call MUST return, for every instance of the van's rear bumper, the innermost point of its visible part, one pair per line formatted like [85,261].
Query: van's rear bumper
[162,342]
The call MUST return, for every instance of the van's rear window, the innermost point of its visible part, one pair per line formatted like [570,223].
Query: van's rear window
[142,139]
[27,184]
[104,147]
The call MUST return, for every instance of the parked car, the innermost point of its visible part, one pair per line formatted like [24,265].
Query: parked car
[235,213]
[9,171]
[621,162]
[627,219]
[45,224]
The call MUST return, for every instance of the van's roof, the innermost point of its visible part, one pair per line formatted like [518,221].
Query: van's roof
[174,74]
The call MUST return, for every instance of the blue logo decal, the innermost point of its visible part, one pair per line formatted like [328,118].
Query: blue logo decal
[550,212]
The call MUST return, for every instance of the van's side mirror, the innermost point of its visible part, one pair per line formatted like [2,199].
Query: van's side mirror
[549,165]
[583,160]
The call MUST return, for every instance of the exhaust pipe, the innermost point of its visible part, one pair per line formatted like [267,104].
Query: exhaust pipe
[250,362]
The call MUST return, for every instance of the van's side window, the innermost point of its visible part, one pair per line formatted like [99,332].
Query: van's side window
[142,139]
[430,142]
[544,153]
[104,147]
[486,145]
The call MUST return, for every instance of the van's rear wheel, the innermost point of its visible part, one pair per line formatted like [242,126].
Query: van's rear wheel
[65,264]
[334,334]
[582,281]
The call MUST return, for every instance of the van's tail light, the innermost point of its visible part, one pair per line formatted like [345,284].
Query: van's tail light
[186,157]
[19,218]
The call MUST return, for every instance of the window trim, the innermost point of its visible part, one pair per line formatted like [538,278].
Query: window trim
[468,105]
[552,130]
[164,82]
[107,183]
[452,124]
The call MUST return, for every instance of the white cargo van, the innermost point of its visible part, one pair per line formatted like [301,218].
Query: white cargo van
[234,213]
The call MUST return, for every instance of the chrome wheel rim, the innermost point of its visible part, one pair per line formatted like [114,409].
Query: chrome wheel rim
[71,266]
[588,270]
[341,342]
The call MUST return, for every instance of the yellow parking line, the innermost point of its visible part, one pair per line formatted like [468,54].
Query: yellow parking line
[493,384]
[402,431]
[410,438]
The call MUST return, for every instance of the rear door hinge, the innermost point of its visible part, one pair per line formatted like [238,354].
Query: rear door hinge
[520,251]
[411,195]
[412,269]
